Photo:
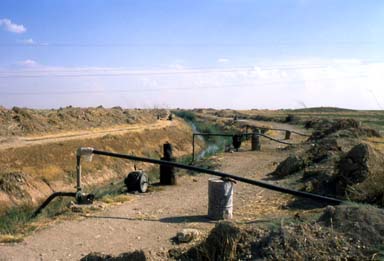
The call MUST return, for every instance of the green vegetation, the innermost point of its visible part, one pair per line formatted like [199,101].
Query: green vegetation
[186,115]
[201,125]
[14,218]
[16,222]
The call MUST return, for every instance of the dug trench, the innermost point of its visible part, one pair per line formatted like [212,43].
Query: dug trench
[150,221]
[341,160]
[29,174]
[266,225]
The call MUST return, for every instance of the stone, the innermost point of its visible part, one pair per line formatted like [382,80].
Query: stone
[187,235]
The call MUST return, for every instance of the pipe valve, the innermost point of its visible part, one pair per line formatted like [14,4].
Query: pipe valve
[86,152]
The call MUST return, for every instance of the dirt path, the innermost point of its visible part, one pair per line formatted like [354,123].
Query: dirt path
[15,142]
[150,220]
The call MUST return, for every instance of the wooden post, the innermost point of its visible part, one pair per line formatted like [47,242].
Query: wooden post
[287,135]
[220,199]
[236,141]
[170,117]
[193,147]
[167,173]
[255,142]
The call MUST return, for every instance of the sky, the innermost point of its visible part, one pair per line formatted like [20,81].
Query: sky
[240,54]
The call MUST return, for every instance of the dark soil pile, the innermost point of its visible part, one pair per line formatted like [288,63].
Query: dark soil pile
[363,224]
[132,256]
[339,128]
[334,162]
[361,175]
[341,233]
[290,165]
[221,244]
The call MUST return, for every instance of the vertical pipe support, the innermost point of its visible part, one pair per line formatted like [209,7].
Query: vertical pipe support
[87,153]
[167,172]
[287,134]
[193,147]
[78,172]
[255,142]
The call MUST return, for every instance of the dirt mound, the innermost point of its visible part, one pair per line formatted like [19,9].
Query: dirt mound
[290,165]
[339,128]
[341,233]
[23,121]
[221,244]
[356,175]
[357,164]
[363,223]
[334,166]
[361,174]
[305,242]
[324,109]
[326,149]
[324,152]
[131,256]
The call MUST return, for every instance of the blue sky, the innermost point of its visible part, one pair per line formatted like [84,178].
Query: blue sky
[211,53]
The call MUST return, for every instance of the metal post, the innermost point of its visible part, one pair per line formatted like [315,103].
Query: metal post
[78,172]
[193,147]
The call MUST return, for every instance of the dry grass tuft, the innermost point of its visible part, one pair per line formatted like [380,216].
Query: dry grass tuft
[8,238]
[110,199]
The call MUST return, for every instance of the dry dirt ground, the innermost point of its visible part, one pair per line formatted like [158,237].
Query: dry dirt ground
[16,142]
[151,220]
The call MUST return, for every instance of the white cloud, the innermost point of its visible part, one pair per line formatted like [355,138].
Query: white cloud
[222,60]
[281,84]
[29,41]
[12,27]
[28,63]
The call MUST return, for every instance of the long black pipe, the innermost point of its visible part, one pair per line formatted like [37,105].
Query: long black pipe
[50,198]
[214,134]
[276,140]
[223,175]
[292,131]
[246,134]
[230,135]
[210,134]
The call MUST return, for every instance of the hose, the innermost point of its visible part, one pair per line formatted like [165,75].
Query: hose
[50,198]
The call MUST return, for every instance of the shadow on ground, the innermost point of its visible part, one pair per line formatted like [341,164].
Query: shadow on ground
[305,204]
[175,220]
[187,219]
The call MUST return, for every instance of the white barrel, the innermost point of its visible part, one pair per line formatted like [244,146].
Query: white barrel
[220,199]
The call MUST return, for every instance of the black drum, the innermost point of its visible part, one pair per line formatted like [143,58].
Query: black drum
[136,181]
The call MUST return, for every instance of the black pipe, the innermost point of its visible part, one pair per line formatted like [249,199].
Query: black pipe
[214,134]
[211,134]
[50,198]
[224,175]
[276,140]
[276,129]
[245,134]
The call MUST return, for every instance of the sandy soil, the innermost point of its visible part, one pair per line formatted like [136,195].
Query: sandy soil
[16,142]
[151,220]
